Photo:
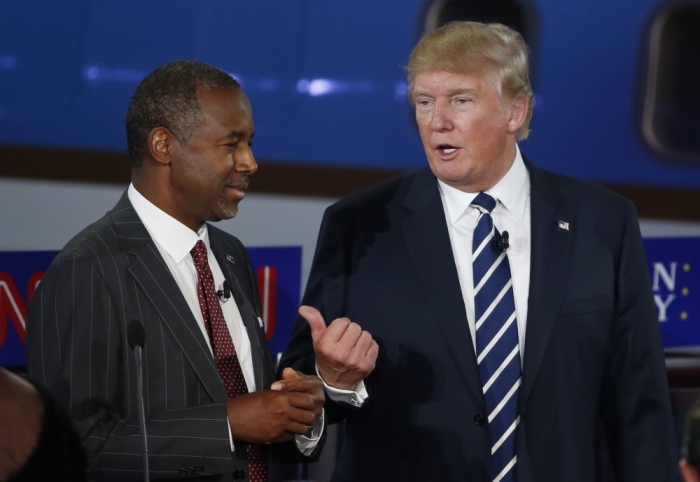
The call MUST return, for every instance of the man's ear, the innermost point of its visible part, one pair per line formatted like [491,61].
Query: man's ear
[518,113]
[161,143]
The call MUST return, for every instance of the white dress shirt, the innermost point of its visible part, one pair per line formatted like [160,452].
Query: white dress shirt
[512,214]
[174,241]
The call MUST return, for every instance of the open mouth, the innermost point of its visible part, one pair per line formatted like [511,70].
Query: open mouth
[446,150]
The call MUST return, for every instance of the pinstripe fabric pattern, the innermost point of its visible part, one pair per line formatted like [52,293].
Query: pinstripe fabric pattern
[106,276]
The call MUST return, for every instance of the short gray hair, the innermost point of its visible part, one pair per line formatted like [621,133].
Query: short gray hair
[167,97]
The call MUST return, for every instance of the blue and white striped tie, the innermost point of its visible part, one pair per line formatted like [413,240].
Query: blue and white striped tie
[498,351]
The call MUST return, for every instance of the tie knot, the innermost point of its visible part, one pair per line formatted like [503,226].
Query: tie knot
[485,202]
[199,255]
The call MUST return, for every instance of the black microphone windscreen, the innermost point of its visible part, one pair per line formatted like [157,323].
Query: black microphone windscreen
[135,334]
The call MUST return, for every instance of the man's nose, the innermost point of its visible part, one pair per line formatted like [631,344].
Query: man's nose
[245,163]
[441,120]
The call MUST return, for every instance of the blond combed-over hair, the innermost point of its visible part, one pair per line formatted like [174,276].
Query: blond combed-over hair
[474,48]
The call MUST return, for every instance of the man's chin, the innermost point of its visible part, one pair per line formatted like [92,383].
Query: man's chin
[227,211]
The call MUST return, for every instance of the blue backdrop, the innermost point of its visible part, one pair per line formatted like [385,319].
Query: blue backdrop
[325,78]
[674,267]
[20,269]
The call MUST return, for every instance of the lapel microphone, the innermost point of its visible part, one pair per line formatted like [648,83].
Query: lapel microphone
[136,337]
[503,243]
[225,293]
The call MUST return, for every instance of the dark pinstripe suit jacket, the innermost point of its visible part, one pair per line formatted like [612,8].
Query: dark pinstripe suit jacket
[108,275]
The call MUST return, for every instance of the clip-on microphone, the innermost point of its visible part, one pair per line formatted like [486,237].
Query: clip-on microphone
[136,337]
[225,293]
[503,243]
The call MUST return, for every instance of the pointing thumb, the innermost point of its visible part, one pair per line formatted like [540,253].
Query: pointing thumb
[315,319]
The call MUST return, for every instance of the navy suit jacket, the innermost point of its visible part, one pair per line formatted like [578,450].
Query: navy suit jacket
[593,350]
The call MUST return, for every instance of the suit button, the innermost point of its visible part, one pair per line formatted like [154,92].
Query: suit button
[238,474]
[186,471]
[198,469]
[479,419]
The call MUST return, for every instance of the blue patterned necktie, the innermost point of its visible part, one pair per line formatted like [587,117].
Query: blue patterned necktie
[497,347]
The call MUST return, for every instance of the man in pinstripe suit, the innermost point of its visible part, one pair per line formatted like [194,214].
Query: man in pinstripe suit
[190,132]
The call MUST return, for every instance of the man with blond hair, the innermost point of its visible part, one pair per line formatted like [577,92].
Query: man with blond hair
[511,306]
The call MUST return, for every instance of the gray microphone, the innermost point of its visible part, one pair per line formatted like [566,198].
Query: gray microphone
[136,336]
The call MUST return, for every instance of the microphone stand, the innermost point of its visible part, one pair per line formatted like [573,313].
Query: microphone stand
[136,337]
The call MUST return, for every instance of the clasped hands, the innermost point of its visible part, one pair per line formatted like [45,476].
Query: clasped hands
[345,355]
[289,407]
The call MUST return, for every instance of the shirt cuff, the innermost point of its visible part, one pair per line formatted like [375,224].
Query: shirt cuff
[355,397]
[230,437]
[308,442]
[305,444]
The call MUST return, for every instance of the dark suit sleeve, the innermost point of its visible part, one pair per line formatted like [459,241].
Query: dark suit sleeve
[325,291]
[635,399]
[287,452]
[77,348]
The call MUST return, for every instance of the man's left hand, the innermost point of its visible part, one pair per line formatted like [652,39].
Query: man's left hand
[294,381]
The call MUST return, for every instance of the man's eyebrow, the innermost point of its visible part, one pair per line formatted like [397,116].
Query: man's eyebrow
[419,93]
[461,91]
[236,134]
[449,93]
[233,134]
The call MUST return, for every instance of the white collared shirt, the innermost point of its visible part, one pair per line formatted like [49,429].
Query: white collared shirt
[174,241]
[512,214]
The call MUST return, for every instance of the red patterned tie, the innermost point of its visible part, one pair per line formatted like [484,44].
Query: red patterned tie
[224,351]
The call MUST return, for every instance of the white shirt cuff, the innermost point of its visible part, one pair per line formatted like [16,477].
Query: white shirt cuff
[355,397]
[230,437]
[305,444]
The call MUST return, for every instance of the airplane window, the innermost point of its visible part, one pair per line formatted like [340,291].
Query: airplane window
[517,14]
[672,101]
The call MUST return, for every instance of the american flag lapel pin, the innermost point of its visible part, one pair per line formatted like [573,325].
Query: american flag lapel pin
[230,259]
[562,225]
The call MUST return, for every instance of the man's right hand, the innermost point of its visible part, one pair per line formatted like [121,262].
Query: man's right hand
[270,416]
[345,354]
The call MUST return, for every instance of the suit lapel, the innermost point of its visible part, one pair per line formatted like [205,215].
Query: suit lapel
[549,266]
[262,364]
[426,236]
[153,276]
